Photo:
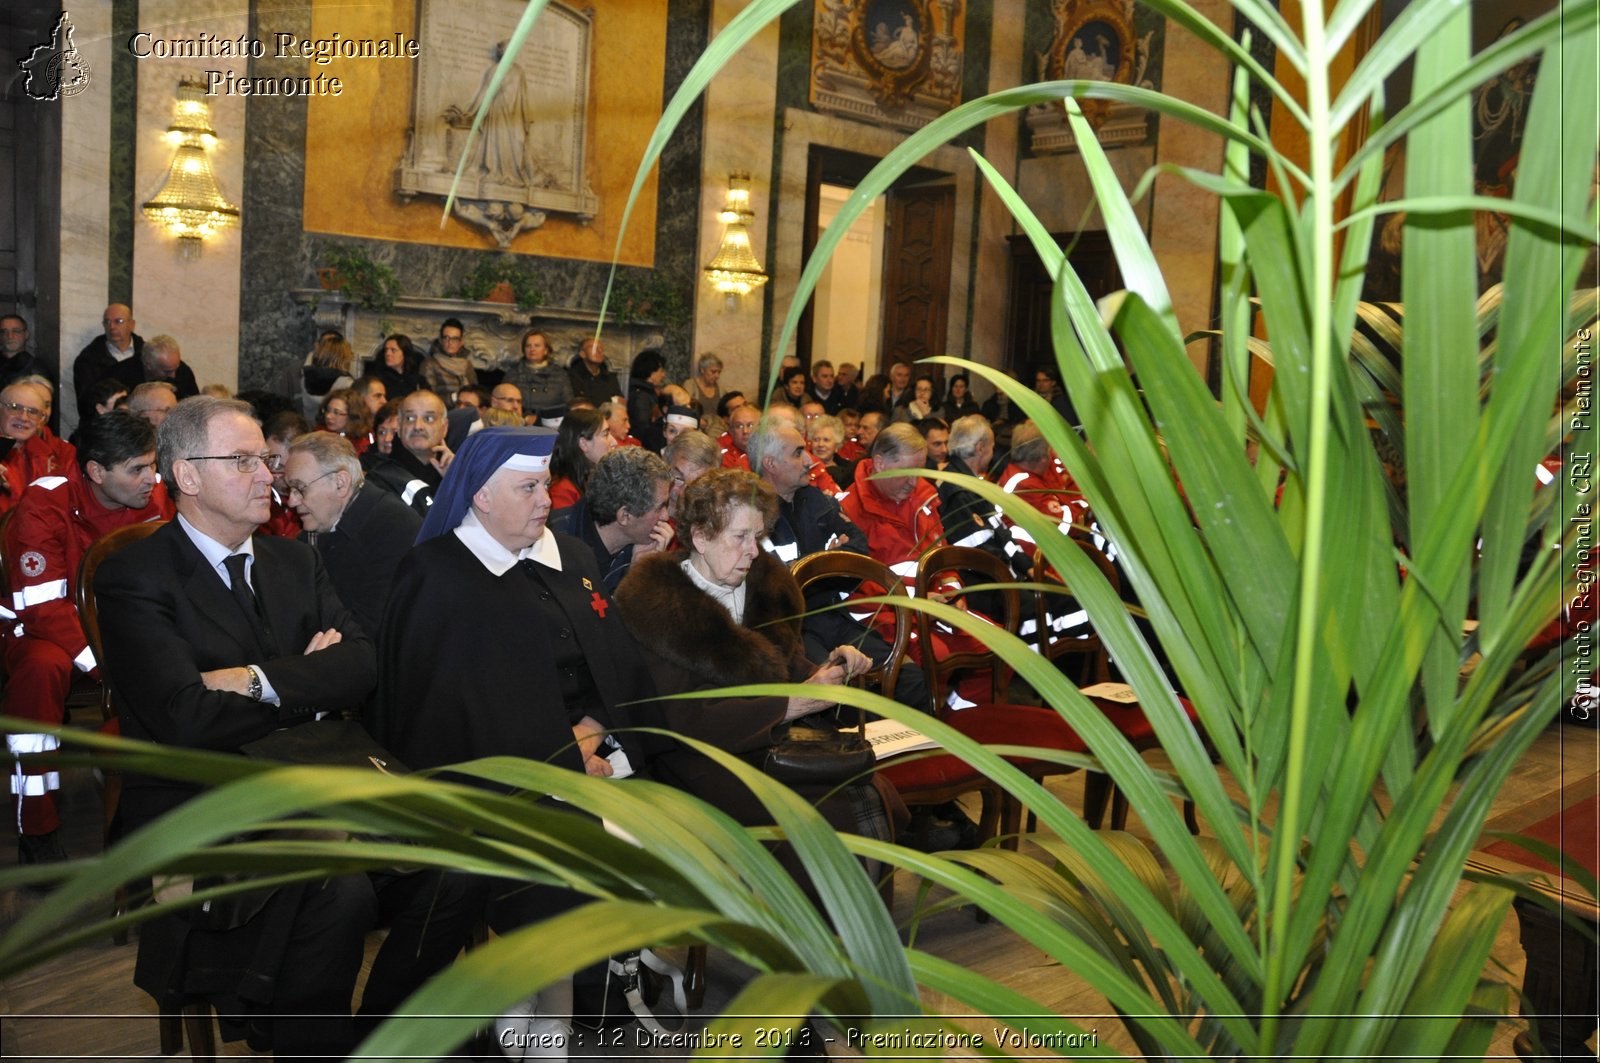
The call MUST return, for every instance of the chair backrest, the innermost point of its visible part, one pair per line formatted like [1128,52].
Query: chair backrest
[969,567]
[1089,646]
[848,571]
[88,608]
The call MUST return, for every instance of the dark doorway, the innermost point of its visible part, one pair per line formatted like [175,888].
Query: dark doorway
[1028,323]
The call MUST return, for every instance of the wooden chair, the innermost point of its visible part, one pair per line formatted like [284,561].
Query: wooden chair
[194,1018]
[1128,718]
[922,781]
[994,721]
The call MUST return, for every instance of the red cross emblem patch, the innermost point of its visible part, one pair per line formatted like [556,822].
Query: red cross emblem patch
[599,605]
[32,563]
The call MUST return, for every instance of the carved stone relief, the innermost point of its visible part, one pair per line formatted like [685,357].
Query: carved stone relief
[529,157]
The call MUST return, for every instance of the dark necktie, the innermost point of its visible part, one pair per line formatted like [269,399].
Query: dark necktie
[249,604]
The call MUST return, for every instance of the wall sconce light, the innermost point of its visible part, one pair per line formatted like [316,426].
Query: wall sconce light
[190,206]
[735,271]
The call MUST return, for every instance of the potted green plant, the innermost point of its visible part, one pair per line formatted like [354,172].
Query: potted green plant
[649,297]
[349,269]
[1313,619]
[500,279]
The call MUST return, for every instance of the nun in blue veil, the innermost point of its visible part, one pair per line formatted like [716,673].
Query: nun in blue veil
[499,639]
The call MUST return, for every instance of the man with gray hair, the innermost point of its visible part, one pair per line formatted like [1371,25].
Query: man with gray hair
[690,456]
[153,400]
[214,638]
[969,520]
[623,515]
[361,530]
[161,359]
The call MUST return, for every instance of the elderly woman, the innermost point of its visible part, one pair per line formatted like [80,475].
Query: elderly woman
[728,613]
[498,639]
[704,386]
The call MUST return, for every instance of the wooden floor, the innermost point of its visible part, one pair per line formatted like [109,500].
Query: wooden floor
[84,1006]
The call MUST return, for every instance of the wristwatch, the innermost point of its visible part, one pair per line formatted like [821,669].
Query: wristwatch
[253,691]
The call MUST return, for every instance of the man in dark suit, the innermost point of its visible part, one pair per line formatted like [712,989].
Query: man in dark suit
[104,353]
[214,638]
[361,530]
[161,359]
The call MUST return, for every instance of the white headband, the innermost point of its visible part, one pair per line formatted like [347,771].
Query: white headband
[526,463]
[683,420]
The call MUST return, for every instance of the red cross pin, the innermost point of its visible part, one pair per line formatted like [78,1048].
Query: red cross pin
[599,604]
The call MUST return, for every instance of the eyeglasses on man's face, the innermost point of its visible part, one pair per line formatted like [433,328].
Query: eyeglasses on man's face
[32,412]
[245,463]
[17,331]
[295,487]
[109,321]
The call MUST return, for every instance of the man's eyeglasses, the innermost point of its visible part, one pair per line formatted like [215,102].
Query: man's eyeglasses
[447,338]
[18,331]
[244,463]
[17,407]
[114,321]
[295,487]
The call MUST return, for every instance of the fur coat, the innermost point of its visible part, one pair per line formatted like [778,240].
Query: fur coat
[690,642]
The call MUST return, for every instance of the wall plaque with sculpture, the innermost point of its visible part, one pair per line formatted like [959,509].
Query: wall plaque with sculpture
[1096,40]
[893,62]
[530,157]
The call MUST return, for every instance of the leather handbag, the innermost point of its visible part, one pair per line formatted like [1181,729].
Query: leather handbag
[815,751]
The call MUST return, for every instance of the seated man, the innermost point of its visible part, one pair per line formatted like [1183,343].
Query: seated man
[33,452]
[1035,477]
[969,520]
[160,359]
[361,530]
[214,638]
[690,456]
[900,516]
[56,521]
[415,467]
[623,515]
[153,400]
[741,422]
[809,521]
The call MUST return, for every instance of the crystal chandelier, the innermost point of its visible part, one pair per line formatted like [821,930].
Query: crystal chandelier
[190,205]
[735,270]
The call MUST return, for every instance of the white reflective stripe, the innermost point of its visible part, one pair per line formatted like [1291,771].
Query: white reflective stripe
[39,593]
[84,661]
[1028,628]
[956,702]
[49,483]
[35,785]
[1010,486]
[786,553]
[411,491]
[21,744]
[1012,549]
[1021,535]
[1544,475]
[982,535]
[904,569]
[1069,620]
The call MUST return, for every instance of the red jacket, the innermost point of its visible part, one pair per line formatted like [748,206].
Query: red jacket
[564,493]
[42,455]
[284,522]
[55,523]
[1051,493]
[897,533]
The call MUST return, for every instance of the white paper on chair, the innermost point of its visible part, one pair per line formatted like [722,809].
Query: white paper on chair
[889,739]
[1121,693]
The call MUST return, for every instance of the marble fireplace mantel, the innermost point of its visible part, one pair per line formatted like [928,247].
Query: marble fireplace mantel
[493,329]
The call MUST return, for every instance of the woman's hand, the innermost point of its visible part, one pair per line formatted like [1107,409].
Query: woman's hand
[855,662]
[845,662]
[589,732]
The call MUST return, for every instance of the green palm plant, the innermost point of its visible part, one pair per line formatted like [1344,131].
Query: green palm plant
[1310,611]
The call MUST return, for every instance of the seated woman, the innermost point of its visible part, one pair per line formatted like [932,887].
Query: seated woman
[583,440]
[728,613]
[345,414]
[497,639]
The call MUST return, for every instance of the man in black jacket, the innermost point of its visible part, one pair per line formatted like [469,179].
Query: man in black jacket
[419,456]
[214,638]
[104,353]
[809,521]
[361,530]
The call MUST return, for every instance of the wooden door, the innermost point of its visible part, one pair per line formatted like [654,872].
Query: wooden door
[916,275]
